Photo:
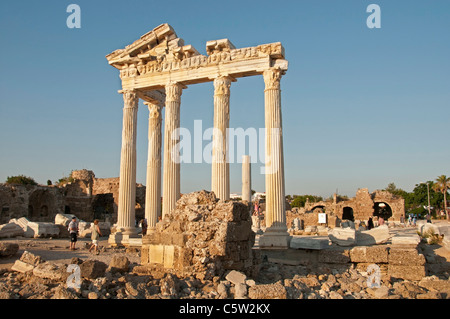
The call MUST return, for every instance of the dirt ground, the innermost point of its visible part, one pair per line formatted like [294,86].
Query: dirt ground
[57,250]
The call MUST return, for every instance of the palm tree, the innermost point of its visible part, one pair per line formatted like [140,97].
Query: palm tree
[442,185]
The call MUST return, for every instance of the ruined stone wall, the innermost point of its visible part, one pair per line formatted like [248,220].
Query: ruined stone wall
[396,203]
[84,196]
[35,202]
[362,205]
[202,237]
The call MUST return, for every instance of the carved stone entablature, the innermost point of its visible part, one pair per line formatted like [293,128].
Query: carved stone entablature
[187,57]
[160,56]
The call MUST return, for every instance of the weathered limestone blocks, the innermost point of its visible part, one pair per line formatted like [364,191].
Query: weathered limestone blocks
[377,235]
[397,262]
[370,254]
[406,257]
[27,262]
[63,219]
[334,256]
[35,229]
[51,271]
[41,229]
[406,240]
[309,242]
[202,236]
[10,230]
[268,291]
[343,236]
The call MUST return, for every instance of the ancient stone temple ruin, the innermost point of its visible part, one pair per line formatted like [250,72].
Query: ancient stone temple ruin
[157,68]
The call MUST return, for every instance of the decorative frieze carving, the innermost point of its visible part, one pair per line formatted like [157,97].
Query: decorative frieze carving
[186,57]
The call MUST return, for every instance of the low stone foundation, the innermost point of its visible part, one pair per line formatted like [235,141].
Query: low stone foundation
[395,261]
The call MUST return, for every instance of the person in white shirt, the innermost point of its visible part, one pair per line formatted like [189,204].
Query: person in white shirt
[73,230]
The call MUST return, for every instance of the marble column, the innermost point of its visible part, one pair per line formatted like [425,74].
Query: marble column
[127,183]
[171,174]
[246,179]
[153,181]
[275,235]
[220,177]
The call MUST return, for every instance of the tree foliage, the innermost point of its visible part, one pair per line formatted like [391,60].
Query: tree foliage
[300,200]
[20,179]
[416,202]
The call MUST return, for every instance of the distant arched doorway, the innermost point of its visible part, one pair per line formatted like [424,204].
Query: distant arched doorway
[319,208]
[347,213]
[382,209]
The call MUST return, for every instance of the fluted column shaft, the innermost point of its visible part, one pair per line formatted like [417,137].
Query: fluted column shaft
[246,179]
[171,175]
[127,186]
[153,182]
[275,198]
[220,177]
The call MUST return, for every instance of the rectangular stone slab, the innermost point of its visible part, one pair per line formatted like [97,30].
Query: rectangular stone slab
[310,242]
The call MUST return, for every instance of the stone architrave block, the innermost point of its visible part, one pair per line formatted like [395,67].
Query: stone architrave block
[343,236]
[406,257]
[63,219]
[41,229]
[377,235]
[10,230]
[310,242]
[369,254]
[406,240]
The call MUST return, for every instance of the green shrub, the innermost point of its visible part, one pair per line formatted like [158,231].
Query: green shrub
[20,179]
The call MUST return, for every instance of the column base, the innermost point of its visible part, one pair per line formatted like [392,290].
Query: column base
[274,240]
[125,238]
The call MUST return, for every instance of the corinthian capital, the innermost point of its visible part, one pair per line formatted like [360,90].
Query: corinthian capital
[272,78]
[174,91]
[222,85]
[154,110]
[130,98]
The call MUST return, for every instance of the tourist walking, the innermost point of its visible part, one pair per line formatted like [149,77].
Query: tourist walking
[73,230]
[96,233]
[409,219]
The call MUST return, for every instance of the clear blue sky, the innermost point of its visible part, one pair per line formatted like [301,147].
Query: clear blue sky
[361,107]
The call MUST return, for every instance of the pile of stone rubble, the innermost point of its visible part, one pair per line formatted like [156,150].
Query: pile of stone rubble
[31,277]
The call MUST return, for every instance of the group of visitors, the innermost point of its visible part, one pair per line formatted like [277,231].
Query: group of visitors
[73,230]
